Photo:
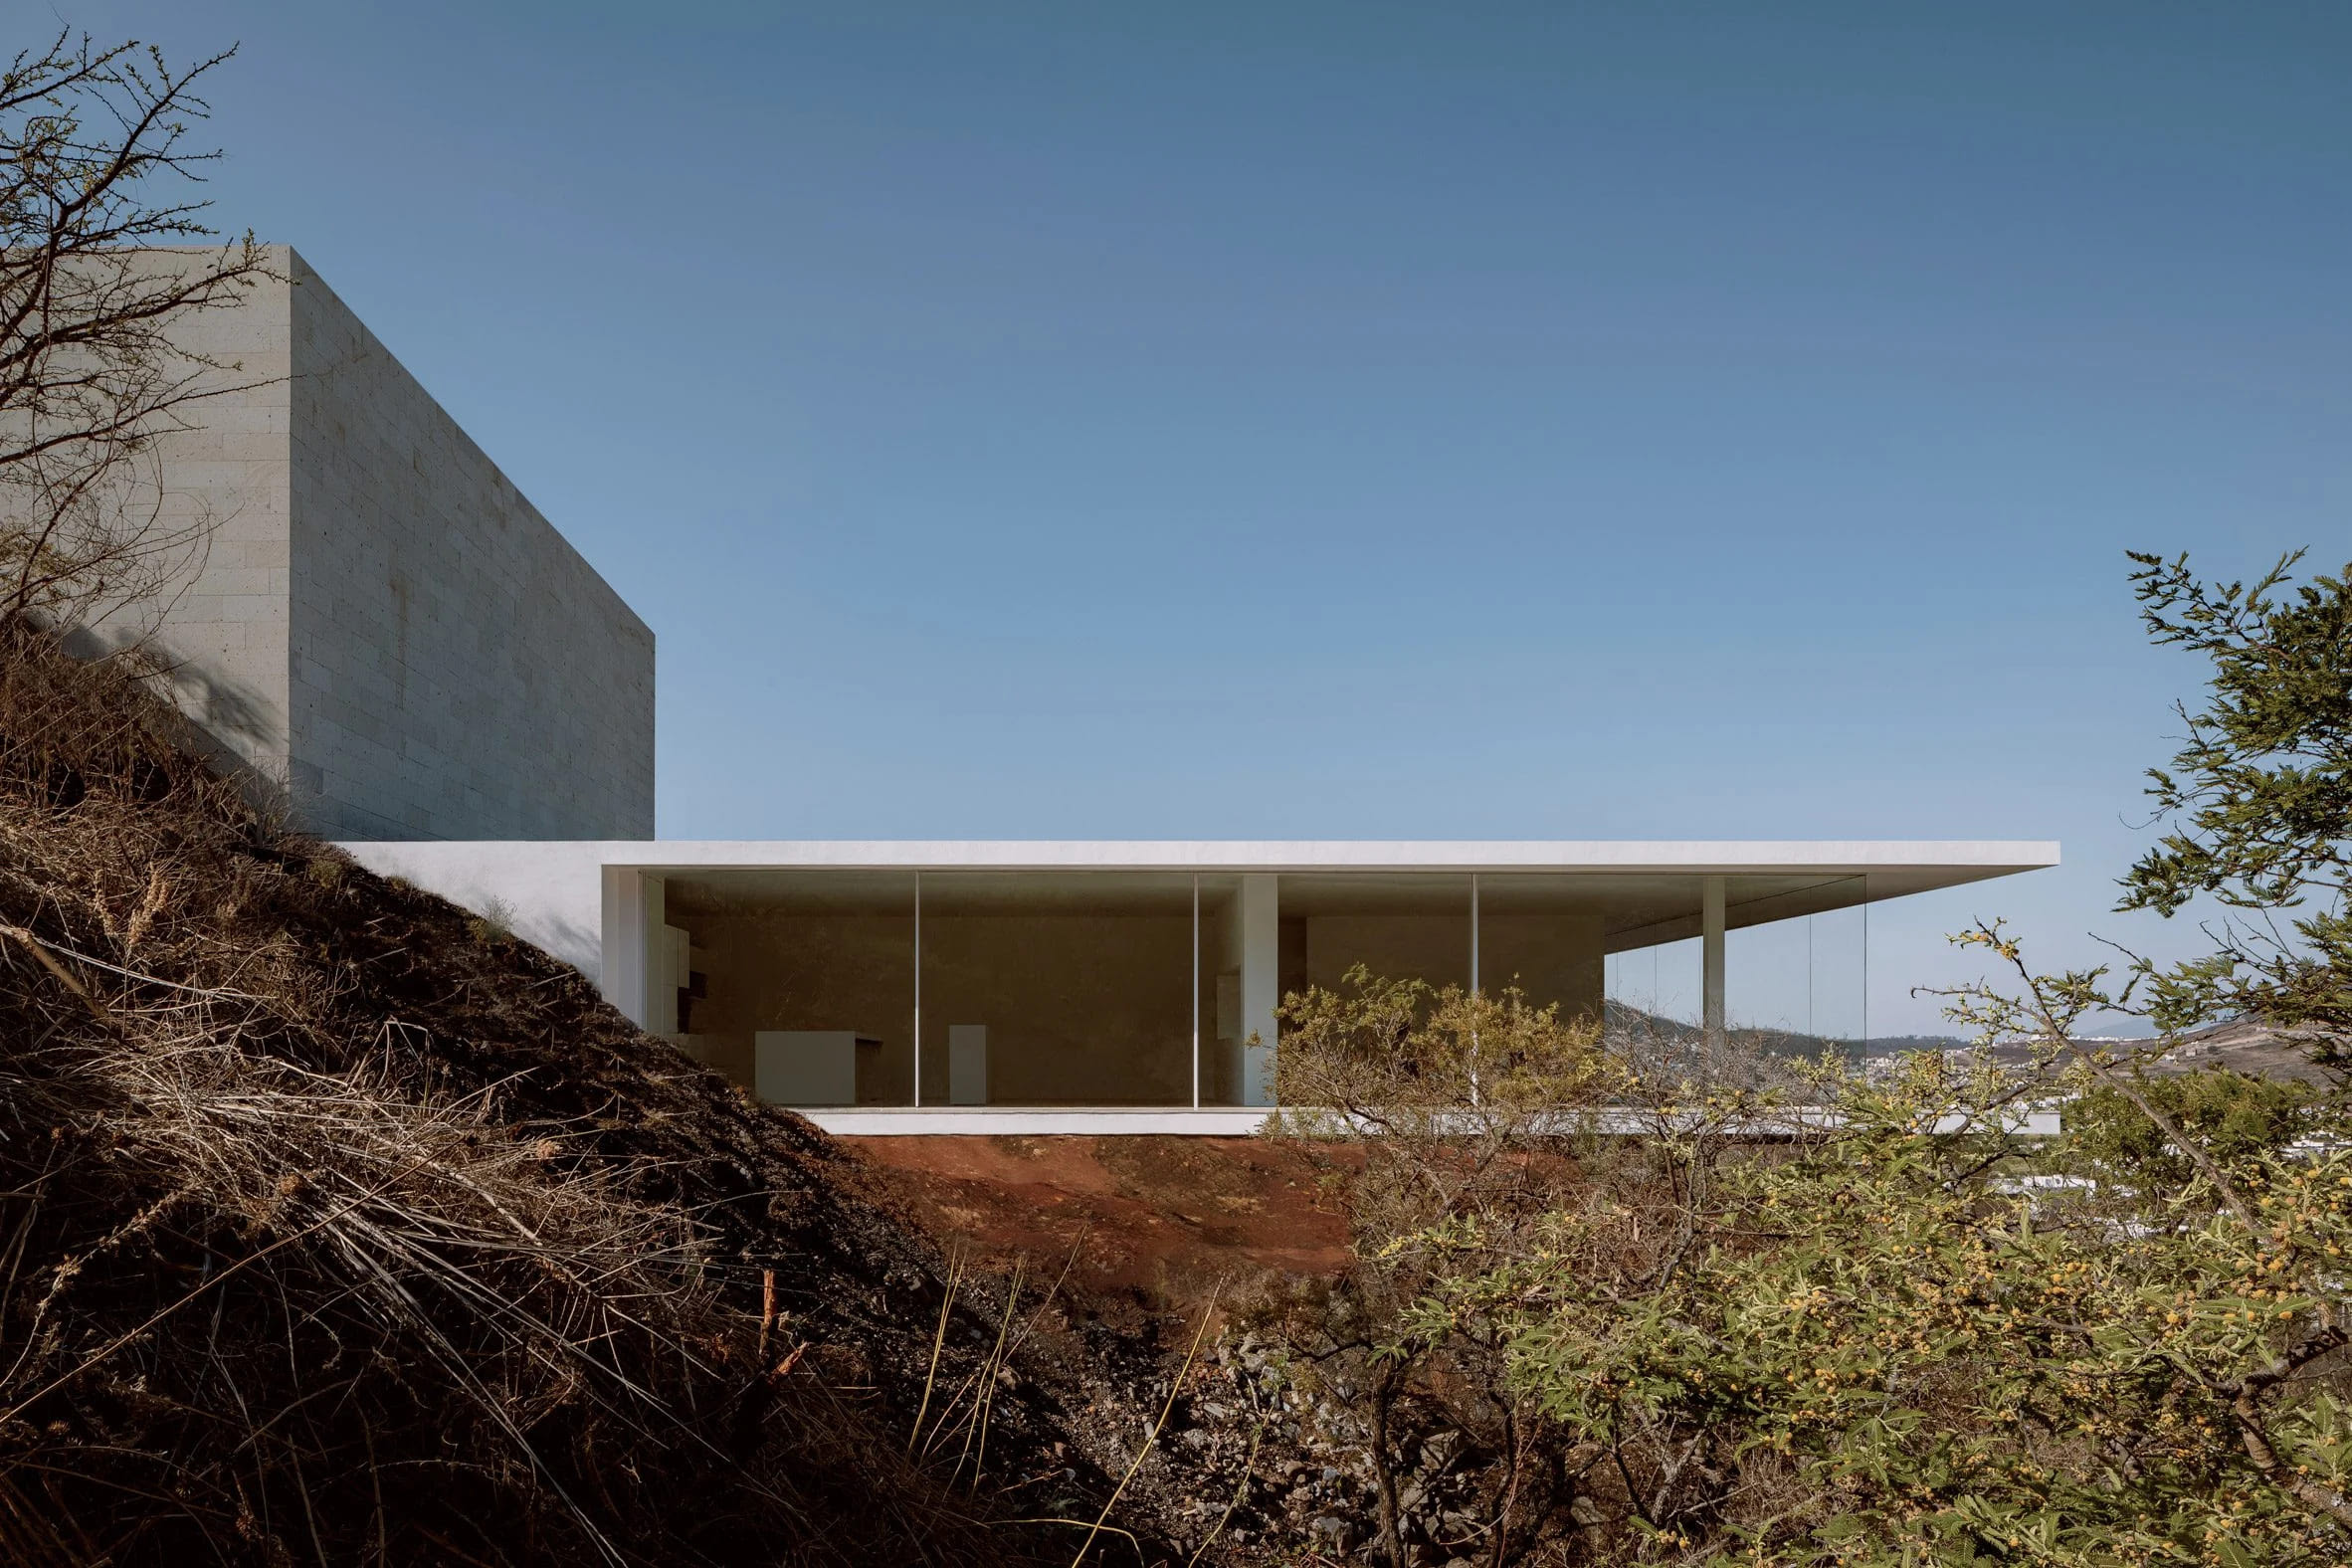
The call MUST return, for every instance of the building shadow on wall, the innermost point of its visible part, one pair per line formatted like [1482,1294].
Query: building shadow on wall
[226,722]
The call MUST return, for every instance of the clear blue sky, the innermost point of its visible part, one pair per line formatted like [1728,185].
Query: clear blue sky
[1364,420]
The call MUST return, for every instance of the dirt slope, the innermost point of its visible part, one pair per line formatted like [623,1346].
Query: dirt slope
[337,1227]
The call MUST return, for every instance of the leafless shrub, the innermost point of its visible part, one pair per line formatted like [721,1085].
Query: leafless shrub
[99,275]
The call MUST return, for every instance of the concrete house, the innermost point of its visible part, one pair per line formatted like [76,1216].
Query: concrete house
[390,633]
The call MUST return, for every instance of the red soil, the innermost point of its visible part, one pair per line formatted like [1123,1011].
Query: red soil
[1162,1219]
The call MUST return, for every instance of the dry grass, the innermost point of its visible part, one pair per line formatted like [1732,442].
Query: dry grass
[329,1233]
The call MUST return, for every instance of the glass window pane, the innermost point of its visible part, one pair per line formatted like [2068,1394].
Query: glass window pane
[1398,925]
[1792,961]
[1547,936]
[1057,988]
[807,981]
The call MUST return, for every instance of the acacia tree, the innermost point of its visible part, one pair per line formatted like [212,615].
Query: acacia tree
[1892,1346]
[2259,801]
[1444,1111]
[105,253]
[1910,1334]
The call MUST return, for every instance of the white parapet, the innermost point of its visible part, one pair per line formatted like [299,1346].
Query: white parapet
[908,1121]
[1241,1122]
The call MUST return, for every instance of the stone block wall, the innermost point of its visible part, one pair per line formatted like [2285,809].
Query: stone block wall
[458,669]
[221,623]
[382,626]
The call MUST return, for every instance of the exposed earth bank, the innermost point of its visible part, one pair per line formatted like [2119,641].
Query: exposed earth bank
[343,1226]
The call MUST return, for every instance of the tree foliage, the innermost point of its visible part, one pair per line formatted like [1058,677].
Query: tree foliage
[1468,1098]
[1887,1317]
[2258,798]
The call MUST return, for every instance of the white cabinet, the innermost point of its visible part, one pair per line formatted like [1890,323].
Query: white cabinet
[809,1067]
[967,1064]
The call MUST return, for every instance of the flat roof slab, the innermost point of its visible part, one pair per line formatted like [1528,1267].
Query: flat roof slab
[1952,860]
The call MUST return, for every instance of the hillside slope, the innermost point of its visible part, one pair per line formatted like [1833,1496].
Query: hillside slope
[337,1227]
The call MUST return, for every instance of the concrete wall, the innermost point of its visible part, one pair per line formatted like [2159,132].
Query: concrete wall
[1552,958]
[1431,947]
[559,897]
[381,626]
[222,619]
[457,668]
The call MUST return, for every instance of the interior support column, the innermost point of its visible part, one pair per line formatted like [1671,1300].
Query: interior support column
[1262,956]
[1710,929]
[1474,933]
[918,990]
[1196,990]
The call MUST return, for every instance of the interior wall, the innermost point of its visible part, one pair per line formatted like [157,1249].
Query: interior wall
[1291,956]
[1080,1009]
[1431,948]
[1551,957]
[1221,1027]
[779,971]
[1084,1008]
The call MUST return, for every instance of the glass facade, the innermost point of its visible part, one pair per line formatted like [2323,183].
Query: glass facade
[1068,988]
[1795,959]
[1221,1023]
[1398,925]
[1057,988]
[794,971]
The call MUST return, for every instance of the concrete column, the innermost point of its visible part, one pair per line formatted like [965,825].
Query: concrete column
[1710,929]
[1262,982]
[1473,972]
[628,939]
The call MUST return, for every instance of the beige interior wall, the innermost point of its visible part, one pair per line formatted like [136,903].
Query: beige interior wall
[1080,1009]
[1221,954]
[772,971]
[1551,957]
[1292,969]
[1431,948]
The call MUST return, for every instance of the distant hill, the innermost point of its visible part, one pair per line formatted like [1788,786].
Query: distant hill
[2255,1049]
[1624,1019]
